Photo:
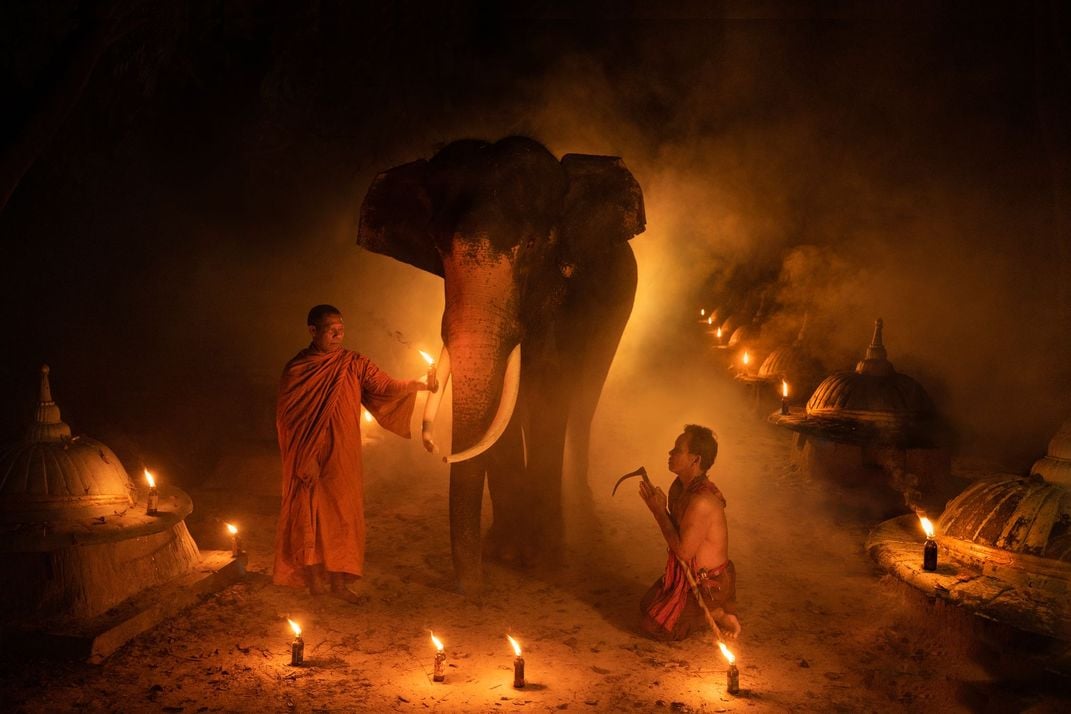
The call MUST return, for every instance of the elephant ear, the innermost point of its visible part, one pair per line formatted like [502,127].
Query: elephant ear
[396,216]
[603,206]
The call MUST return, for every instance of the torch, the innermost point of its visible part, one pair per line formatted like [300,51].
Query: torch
[440,658]
[152,502]
[236,542]
[297,647]
[784,396]
[518,664]
[732,676]
[929,551]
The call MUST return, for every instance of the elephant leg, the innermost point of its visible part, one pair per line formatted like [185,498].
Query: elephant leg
[545,522]
[466,500]
[506,480]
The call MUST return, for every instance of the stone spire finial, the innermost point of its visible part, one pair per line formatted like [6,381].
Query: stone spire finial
[876,361]
[47,424]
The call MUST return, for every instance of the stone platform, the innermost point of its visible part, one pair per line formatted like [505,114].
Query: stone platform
[93,640]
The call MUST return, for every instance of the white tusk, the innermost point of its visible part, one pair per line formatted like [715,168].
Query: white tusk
[431,406]
[511,384]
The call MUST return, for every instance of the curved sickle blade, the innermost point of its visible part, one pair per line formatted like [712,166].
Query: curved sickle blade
[641,472]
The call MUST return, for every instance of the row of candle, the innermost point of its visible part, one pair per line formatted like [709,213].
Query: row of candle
[297,658]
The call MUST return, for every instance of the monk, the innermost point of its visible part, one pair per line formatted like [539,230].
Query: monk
[696,533]
[321,535]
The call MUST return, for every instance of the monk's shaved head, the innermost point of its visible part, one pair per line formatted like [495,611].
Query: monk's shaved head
[319,312]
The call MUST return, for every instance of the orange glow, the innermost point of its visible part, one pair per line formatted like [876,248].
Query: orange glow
[703,311]
[516,645]
[747,358]
[427,358]
[926,526]
[233,530]
[719,333]
[366,415]
[435,641]
[728,655]
[295,627]
[784,388]
[148,478]
[710,320]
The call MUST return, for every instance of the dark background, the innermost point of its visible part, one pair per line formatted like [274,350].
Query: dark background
[179,214]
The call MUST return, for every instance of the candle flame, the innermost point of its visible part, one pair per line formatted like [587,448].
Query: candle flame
[926,526]
[233,530]
[366,415]
[703,311]
[427,358]
[710,320]
[295,627]
[149,479]
[516,645]
[719,333]
[728,655]
[435,641]
[747,357]
[784,388]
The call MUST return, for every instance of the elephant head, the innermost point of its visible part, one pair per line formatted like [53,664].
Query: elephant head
[520,238]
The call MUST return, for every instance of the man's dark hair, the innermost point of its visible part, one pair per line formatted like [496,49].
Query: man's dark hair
[320,312]
[702,443]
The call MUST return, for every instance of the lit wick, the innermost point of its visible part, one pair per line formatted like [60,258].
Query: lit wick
[732,676]
[929,551]
[236,542]
[432,380]
[703,311]
[746,359]
[152,502]
[719,335]
[784,397]
[710,320]
[518,664]
[297,647]
[440,657]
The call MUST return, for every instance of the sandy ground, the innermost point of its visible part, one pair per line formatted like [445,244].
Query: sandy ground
[823,629]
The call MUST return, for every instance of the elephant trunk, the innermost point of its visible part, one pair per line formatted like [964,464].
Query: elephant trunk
[480,330]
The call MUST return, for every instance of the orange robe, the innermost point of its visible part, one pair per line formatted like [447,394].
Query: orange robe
[318,419]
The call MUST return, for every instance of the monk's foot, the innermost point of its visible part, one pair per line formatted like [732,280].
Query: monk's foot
[316,579]
[730,626]
[340,590]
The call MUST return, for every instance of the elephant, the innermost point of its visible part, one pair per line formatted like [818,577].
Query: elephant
[536,262]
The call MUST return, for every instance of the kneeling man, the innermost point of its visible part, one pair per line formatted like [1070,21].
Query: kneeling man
[695,530]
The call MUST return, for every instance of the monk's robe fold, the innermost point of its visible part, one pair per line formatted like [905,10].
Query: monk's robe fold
[318,420]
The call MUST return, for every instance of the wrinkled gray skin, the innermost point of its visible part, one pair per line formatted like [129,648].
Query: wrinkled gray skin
[532,251]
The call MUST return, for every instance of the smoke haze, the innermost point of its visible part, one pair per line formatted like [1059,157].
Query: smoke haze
[200,198]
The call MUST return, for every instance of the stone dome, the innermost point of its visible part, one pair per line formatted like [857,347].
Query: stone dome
[1055,466]
[872,392]
[1025,515]
[51,476]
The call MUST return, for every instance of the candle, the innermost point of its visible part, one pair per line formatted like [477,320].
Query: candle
[440,659]
[732,676]
[784,397]
[746,359]
[236,542]
[719,335]
[518,664]
[152,502]
[297,647]
[929,551]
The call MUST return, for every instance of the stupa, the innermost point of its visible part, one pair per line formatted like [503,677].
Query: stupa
[78,542]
